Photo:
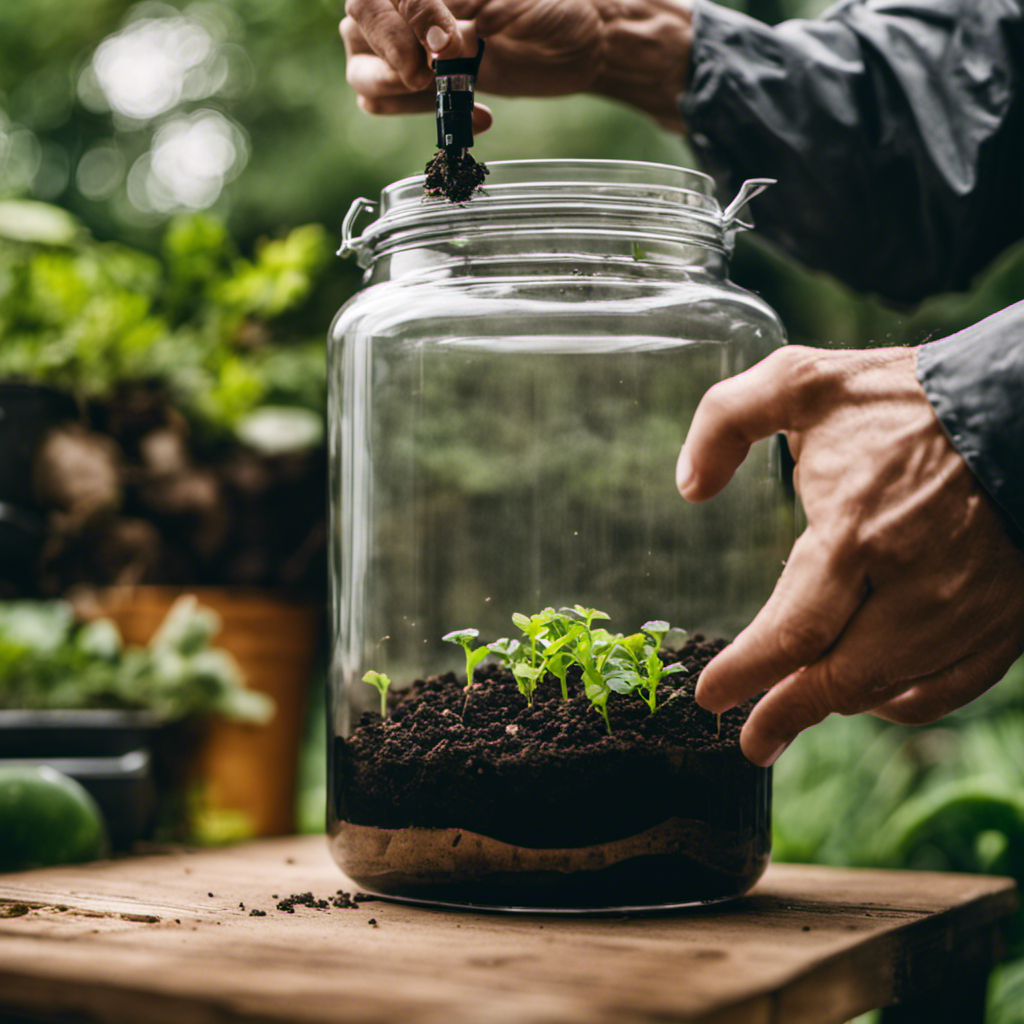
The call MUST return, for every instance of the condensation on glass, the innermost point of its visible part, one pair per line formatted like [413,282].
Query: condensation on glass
[509,393]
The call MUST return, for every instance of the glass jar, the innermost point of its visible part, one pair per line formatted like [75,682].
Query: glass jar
[509,393]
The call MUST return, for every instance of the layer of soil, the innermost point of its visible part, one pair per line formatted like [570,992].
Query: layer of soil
[478,797]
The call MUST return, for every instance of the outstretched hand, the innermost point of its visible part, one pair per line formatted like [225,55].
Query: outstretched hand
[637,52]
[905,594]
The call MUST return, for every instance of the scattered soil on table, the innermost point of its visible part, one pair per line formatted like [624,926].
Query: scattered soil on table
[340,900]
[456,176]
[503,795]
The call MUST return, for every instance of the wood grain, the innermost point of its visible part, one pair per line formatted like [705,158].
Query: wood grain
[142,940]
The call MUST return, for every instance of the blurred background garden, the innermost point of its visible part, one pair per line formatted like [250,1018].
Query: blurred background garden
[172,183]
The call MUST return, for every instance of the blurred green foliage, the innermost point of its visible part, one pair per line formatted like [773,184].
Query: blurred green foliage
[87,316]
[948,797]
[49,661]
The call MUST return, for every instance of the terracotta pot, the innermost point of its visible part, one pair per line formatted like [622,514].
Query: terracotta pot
[244,776]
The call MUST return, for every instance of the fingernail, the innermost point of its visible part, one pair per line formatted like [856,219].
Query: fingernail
[684,475]
[778,753]
[437,38]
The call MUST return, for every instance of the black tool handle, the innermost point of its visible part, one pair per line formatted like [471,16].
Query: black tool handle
[456,82]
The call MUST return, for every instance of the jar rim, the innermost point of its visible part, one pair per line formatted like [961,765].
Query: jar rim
[618,196]
[630,179]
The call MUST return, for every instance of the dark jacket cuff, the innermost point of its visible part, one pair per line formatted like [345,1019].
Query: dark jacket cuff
[975,382]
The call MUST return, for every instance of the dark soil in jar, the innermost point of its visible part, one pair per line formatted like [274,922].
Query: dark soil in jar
[476,797]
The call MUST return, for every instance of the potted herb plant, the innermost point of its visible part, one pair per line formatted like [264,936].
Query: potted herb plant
[73,696]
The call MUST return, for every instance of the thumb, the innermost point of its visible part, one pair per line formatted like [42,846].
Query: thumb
[731,416]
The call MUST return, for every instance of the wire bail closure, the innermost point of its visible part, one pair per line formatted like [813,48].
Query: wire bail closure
[350,243]
[750,188]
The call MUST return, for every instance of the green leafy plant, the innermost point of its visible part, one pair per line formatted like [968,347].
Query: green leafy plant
[609,662]
[208,323]
[553,641]
[464,638]
[50,661]
[381,683]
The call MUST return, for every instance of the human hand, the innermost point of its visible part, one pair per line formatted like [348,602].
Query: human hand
[636,52]
[905,595]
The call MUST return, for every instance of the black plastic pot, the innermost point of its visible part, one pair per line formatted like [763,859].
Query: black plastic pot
[109,752]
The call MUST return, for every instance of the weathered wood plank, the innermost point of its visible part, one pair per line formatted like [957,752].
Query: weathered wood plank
[143,939]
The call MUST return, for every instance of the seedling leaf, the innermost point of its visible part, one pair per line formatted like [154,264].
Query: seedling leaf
[380,682]
[461,636]
[675,668]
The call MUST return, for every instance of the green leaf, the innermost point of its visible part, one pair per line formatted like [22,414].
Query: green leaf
[99,639]
[622,681]
[461,636]
[380,682]
[676,668]
[530,672]
[520,621]
[556,645]
[504,648]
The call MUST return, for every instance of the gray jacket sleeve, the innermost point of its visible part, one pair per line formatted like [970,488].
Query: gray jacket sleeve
[975,382]
[895,129]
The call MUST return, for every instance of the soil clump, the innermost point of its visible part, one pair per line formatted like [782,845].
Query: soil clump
[454,175]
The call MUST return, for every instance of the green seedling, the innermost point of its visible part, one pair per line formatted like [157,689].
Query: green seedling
[558,655]
[506,650]
[530,670]
[534,626]
[527,677]
[380,682]
[554,641]
[464,638]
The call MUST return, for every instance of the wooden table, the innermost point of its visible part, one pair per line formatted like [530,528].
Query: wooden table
[165,939]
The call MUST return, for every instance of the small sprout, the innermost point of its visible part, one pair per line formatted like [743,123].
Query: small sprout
[534,626]
[505,649]
[554,641]
[656,630]
[464,638]
[527,677]
[380,682]
[557,663]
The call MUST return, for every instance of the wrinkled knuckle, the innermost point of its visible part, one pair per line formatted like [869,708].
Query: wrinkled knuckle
[802,640]
[812,702]
[807,372]
[420,14]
